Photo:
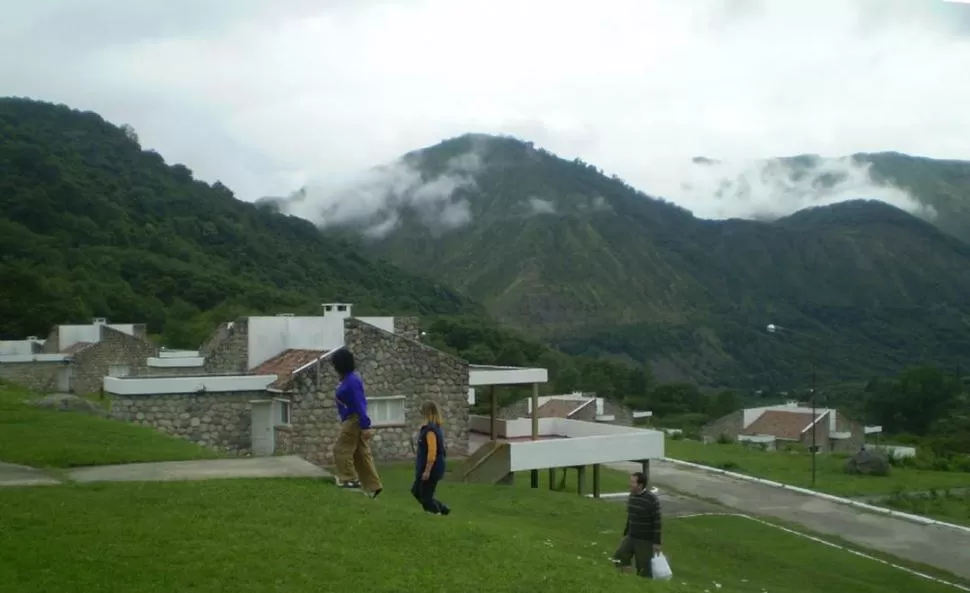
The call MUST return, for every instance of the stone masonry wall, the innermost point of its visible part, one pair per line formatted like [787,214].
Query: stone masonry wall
[408,327]
[854,443]
[389,364]
[623,414]
[218,420]
[227,350]
[730,426]
[91,364]
[51,345]
[37,376]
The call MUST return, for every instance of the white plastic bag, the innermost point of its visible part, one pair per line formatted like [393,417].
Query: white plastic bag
[660,568]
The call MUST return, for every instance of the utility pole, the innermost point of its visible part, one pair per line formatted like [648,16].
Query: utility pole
[775,329]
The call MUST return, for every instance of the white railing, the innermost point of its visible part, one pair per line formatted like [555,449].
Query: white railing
[583,443]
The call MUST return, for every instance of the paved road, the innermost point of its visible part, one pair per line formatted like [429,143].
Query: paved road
[948,549]
[289,466]
[21,475]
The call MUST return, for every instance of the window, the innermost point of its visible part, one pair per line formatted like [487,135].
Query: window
[284,412]
[386,411]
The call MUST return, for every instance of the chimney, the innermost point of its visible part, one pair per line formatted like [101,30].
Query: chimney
[99,321]
[341,310]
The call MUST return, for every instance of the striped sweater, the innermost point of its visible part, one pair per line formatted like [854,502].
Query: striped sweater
[643,517]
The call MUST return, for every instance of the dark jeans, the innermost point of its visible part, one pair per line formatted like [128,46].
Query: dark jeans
[635,550]
[423,491]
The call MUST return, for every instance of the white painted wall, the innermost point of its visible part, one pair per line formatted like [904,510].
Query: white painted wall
[894,451]
[268,336]
[170,363]
[384,323]
[178,354]
[484,375]
[8,347]
[564,427]
[186,385]
[642,444]
[72,334]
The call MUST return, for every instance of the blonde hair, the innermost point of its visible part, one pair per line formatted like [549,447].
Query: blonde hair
[430,411]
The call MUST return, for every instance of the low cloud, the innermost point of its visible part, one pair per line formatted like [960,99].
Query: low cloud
[540,206]
[772,188]
[375,201]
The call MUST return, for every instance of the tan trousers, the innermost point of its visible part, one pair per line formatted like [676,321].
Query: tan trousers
[352,458]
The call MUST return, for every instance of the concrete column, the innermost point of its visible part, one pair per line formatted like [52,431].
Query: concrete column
[493,426]
[596,481]
[645,463]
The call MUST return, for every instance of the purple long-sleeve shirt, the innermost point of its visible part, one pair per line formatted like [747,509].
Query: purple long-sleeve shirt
[351,400]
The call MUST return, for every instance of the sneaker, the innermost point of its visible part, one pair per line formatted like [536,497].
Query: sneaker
[445,511]
[375,493]
[350,484]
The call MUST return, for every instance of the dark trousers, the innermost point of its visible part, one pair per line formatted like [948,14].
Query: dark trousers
[635,550]
[423,491]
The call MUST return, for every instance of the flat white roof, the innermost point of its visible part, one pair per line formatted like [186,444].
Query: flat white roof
[186,385]
[176,361]
[479,375]
[34,357]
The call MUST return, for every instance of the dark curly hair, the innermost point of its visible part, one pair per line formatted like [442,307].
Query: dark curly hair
[343,362]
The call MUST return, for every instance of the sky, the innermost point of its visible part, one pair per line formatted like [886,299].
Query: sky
[268,96]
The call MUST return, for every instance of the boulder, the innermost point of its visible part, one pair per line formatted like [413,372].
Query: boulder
[867,463]
[68,403]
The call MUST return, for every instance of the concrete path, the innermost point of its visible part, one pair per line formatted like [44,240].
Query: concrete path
[948,549]
[21,475]
[289,466]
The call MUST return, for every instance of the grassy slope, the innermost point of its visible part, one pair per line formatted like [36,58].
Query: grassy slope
[795,469]
[49,438]
[302,535]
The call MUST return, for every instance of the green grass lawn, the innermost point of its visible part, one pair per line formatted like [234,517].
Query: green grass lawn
[795,469]
[243,536]
[954,508]
[60,439]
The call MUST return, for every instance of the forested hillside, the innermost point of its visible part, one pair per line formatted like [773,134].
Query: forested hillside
[92,225]
[599,268]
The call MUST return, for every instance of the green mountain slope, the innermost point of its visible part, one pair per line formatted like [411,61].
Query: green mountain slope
[91,225]
[596,267]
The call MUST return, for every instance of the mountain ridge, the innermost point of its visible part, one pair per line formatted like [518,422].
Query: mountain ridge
[604,268]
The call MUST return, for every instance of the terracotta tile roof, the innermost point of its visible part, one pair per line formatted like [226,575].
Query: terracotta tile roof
[283,365]
[559,408]
[780,424]
[75,347]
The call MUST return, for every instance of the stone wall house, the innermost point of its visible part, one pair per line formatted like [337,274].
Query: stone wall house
[727,427]
[42,376]
[399,373]
[227,349]
[116,354]
[66,364]
[219,421]
[789,423]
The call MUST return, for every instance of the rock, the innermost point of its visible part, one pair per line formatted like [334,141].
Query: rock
[69,403]
[867,463]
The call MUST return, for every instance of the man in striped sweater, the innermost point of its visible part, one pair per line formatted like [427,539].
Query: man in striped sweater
[641,536]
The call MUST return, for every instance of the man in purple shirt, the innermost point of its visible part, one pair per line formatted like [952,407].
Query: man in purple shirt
[352,458]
